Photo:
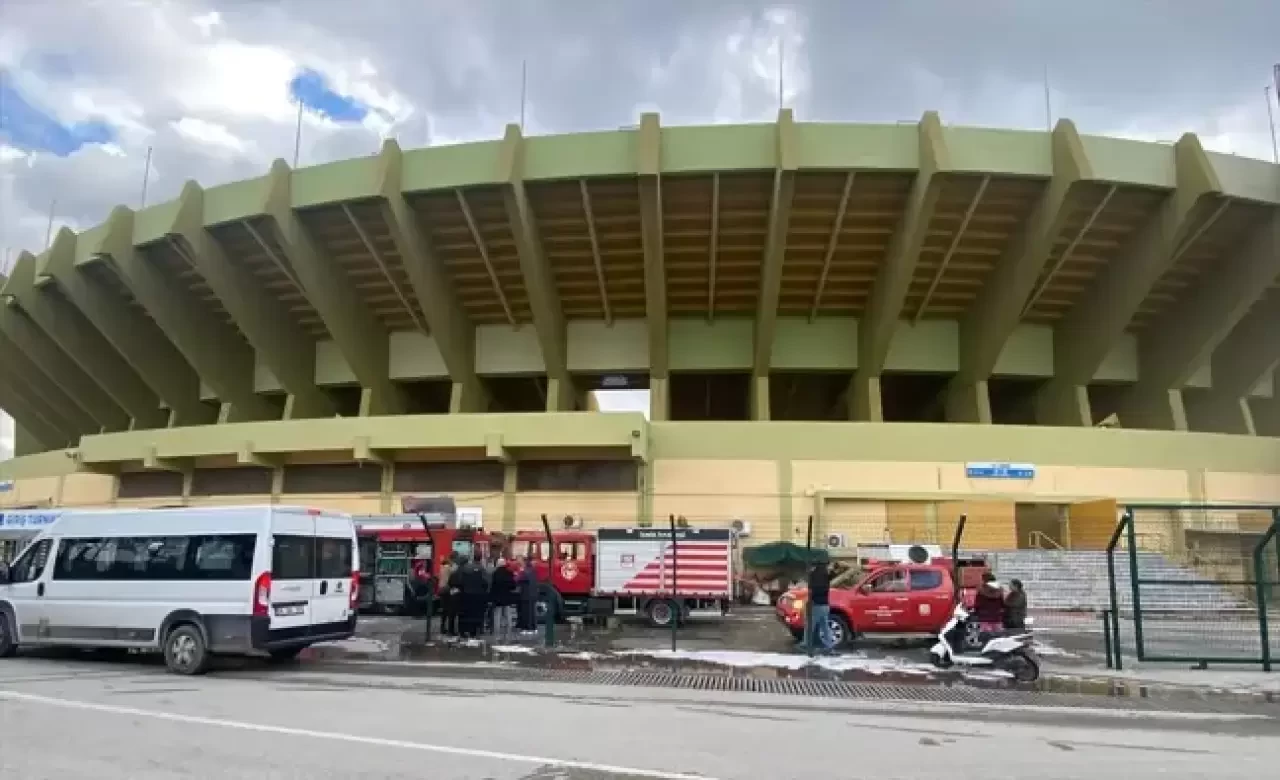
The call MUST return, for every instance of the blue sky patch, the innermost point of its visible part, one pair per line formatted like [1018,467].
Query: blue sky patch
[26,127]
[312,89]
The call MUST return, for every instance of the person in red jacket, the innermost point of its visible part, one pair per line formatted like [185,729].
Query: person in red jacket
[988,605]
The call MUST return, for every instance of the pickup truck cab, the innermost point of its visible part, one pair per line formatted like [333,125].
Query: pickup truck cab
[890,598]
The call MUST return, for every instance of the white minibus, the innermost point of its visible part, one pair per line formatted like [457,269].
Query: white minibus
[190,582]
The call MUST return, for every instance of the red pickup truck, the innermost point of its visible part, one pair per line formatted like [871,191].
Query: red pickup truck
[887,598]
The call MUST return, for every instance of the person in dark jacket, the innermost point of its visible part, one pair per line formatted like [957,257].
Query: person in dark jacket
[988,604]
[474,587]
[451,597]
[819,623]
[503,594]
[527,586]
[1015,607]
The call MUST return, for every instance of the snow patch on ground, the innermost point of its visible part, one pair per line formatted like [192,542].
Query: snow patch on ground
[356,644]
[514,649]
[749,660]
[1046,650]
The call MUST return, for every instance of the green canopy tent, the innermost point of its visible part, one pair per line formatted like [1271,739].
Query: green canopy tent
[782,555]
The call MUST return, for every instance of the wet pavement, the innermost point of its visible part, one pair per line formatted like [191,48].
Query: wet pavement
[751,644]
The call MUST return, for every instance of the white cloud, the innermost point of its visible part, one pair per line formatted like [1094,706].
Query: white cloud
[205,83]
[211,134]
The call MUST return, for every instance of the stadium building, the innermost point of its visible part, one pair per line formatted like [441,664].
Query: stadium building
[881,326]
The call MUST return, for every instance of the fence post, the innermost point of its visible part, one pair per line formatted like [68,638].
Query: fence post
[1126,521]
[1106,637]
[1131,537]
[1262,588]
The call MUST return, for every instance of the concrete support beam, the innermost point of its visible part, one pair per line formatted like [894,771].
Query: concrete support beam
[84,344]
[649,169]
[1265,416]
[152,462]
[221,358]
[15,401]
[136,337]
[246,456]
[269,330]
[991,320]
[360,337]
[452,329]
[876,328]
[1087,333]
[496,449]
[49,398]
[775,249]
[82,388]
[1184,338]
[1239,363]
[363,452]
[544,301]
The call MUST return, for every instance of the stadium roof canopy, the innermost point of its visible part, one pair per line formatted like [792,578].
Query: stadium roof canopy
[886,224]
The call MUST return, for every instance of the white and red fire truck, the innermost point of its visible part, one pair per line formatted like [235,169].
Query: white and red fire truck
[633,571]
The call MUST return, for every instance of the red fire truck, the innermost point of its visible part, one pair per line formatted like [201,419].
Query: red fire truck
[391,544]
[632,571]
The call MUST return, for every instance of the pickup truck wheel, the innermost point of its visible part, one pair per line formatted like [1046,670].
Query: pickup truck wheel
[841,632]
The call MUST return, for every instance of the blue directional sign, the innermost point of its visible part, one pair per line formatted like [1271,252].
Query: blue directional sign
[1000,470]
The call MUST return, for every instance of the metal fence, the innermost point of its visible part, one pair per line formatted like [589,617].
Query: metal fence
[1194,584]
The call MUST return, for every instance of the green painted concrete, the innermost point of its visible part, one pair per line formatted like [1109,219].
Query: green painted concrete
[1090,345]
[628,434]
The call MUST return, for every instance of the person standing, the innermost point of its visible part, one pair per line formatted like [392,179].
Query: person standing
[1015,607]
[527,583]
[819,623]
[503,594]
[988,605]
[474,590]
[450,596]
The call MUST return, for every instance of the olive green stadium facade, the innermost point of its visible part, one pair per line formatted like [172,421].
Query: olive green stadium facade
[820,313]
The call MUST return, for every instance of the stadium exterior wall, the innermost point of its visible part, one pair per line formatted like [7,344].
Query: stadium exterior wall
[772,475]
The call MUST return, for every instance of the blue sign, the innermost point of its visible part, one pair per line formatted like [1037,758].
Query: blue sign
[27,519]
[1000,470]
[6,486]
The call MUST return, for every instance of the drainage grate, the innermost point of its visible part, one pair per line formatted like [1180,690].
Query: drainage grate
[824,688]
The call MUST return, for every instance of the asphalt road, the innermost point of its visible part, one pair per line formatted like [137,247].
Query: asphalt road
[70,719]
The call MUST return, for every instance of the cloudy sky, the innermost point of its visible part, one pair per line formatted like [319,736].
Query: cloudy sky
[213,86]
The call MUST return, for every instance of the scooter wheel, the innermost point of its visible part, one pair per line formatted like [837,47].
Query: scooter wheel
[938,661]
[1024,668]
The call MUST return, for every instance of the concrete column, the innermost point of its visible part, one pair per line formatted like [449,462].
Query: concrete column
[864,400]
[1064,405]
[1156,410]
[509,475]
[659,399]
[759,398]
[969,402]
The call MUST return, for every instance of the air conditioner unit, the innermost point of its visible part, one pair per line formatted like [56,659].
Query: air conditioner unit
[741,527]
[837,540]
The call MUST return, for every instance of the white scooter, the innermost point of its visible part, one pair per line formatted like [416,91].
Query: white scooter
[1013,653]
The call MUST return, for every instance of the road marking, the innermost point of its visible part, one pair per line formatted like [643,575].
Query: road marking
[263,728]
